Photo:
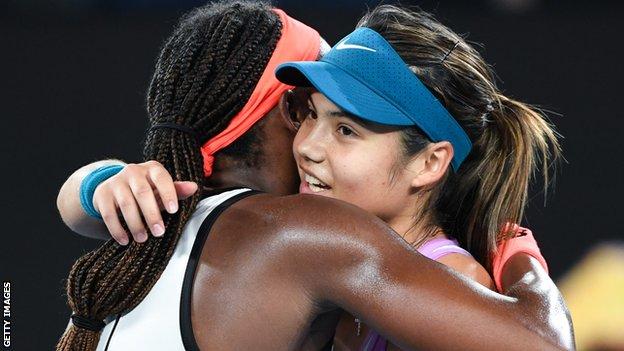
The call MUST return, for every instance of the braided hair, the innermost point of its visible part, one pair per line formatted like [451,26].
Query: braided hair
[205,73]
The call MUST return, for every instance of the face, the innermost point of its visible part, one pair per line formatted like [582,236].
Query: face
[278,173]
[347,158]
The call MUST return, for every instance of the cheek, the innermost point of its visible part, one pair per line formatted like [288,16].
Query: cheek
[363,178]
[282,175]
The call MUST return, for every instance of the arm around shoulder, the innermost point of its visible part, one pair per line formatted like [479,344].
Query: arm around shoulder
[352,260]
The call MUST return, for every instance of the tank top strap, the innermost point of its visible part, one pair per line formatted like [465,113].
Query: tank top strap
[436,248]
[433,249]
[374,342]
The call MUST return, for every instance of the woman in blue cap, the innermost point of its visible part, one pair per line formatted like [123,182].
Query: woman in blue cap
[405,121]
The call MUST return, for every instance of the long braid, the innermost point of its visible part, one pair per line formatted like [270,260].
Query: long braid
[205,73]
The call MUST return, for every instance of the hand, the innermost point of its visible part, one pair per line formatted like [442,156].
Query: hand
[140,192]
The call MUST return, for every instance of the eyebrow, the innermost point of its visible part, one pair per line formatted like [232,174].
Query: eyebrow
[346,114]
[341,113]
[359,120]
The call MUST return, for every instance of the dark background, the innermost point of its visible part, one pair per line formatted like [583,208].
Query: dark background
[74,75]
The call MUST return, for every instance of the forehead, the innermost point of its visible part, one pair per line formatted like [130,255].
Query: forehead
[327,108]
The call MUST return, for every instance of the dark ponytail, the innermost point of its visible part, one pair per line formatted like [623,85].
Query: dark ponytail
[491,190]
[206,71]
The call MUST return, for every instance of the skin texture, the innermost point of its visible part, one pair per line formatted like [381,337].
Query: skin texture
[347,336]
[353,160]
[300,257]
[363,163]
[469,267]
[314,270]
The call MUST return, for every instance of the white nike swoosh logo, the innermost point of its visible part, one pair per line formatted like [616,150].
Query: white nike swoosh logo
[342,46]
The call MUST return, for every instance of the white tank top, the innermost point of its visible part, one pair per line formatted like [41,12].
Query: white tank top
[162,321]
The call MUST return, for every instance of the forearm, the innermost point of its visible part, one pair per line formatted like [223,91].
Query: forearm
[431,307]
[360,265]
[70,209]
[538,300]
[458,314]
[532,316]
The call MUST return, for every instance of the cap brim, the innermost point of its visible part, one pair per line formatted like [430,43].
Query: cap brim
[342,89]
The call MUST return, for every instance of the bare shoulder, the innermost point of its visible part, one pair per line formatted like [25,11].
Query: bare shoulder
[469,267]
[313,237]
[283,214]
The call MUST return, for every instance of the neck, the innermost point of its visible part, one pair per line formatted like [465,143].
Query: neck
[269,176]
[414,224]
[415,231]
[240,177]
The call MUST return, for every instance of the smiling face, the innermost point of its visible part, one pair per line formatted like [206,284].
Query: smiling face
[347,158]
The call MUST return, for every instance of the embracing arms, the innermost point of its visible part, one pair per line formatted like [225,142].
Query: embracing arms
[362,266]
[138,193]
[367,269]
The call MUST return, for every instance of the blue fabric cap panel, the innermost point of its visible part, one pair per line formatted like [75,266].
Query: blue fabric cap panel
[363,75]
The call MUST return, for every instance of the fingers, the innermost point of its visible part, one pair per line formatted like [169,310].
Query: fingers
[160,180]
[145,198]
[185,189]
[108,211]
[130,211]
[139,192]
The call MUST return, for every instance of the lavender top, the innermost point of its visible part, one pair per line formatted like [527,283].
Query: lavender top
[433,249]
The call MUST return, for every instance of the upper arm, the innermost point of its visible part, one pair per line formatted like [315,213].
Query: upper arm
[359,264]
[468,267]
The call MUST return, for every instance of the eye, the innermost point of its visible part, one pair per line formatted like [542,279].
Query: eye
[346,131]
[309,112]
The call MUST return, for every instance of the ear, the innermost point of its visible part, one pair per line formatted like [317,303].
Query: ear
[431,164]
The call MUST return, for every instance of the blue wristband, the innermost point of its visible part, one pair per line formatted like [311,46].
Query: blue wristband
[90,182]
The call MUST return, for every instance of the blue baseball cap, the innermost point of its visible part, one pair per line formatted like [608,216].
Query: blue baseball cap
[364,76]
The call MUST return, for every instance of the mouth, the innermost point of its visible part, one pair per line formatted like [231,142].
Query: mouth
[312,184]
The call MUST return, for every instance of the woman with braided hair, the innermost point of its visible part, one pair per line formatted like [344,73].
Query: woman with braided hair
[240,270]
[206,72]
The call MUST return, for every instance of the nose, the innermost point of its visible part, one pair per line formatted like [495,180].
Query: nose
[310,144]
